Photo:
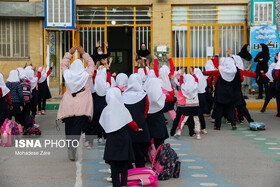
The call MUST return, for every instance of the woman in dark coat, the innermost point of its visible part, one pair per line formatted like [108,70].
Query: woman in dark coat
[262,59]
[136,101]
[98,53]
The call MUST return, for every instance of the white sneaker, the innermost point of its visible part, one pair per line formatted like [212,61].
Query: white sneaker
[109,171]
[198,137]
[178,133]
[36,126]
[109,179]
[203,131]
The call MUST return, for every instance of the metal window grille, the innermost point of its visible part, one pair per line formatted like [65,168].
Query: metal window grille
[14,41]
[89,36]
[59,13]
[263,13]
[231,37]
[143,35]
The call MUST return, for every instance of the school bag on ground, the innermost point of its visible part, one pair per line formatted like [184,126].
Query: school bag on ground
[255,126]
[166,162]
[10,131]
[29,127]
[152,151]
[142,177]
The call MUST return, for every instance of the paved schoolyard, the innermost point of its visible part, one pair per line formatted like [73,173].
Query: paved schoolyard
[222,158]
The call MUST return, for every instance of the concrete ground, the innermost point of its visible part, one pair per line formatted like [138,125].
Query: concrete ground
[222,158]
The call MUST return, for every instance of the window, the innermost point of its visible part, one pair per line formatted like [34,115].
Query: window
[202,14]
[263,13]
[231,37]
[231,14]
[59,13]
[14,41]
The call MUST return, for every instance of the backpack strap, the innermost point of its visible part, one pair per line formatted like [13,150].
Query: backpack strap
[158,151]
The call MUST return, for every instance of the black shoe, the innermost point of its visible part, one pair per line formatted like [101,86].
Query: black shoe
[262,110]
[166,121]
[245,97]
[234,127]
[217,128]
[191,133]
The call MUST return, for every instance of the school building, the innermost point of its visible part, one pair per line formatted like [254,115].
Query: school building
[192,30]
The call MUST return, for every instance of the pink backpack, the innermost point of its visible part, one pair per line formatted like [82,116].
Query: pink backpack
[142,177]
[152,151]
[9,131]
[180,95]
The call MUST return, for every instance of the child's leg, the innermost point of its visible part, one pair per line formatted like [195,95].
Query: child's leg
[124,173]
[172,114]
[39,103]
[115,173]
[181,126]
[196,124]
[202,122]
[44,104]
[181,120]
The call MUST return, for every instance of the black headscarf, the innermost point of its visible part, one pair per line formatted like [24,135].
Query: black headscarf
[244,53]
[265,51]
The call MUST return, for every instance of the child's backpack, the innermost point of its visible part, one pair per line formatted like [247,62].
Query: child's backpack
[9,132]
[152,151]
[29,127]
[26,90]
[255,126]
[166,162]
[142,177]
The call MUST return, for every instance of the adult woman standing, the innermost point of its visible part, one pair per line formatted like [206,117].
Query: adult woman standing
[247,61]
[76,106]
[262,59]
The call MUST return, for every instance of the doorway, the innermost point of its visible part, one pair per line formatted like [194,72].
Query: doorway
[121,47]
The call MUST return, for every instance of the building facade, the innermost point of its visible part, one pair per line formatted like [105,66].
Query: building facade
[192,31]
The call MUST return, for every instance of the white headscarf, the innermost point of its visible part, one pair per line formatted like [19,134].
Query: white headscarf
[202,83]
[28,67]
[164,72]
[5,89]
[269,72]
[113,82]
[155,95]
[111,120]
[238,62]
[134,92]
[142,74]
[227,69]
[92,86]
[209,66]
[43,75]
[21,73]
[278,62]
[101,85]
[151,74]
[13,76]
[189,87]
[76,76]
[121,79]
[31,77]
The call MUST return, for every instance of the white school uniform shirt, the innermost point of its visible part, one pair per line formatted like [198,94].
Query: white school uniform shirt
[5,89]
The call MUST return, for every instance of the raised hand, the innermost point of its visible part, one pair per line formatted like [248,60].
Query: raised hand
[229,52]
[81,50]
[110,61]
[168,56]
[52,65]
[98,44]
[155,57]
[106,44]
[219,51]
[72,50]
